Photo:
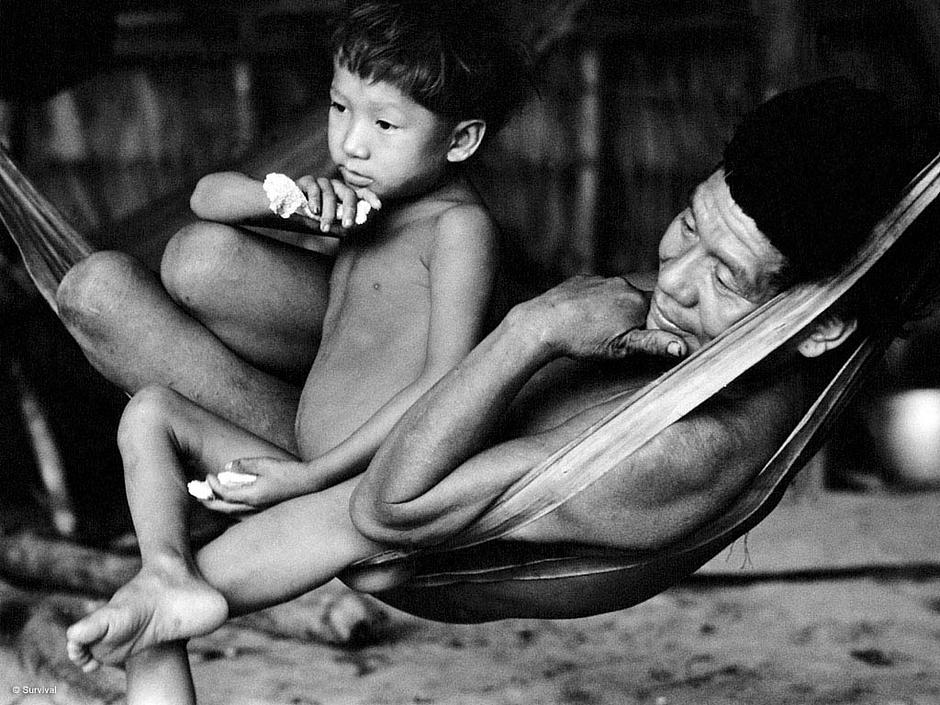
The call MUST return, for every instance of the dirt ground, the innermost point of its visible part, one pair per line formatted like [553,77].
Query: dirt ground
[846,610]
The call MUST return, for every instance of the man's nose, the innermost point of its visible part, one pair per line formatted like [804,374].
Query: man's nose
[355,143]
[679,276]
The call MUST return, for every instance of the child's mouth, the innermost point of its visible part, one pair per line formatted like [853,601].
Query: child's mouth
[354,178]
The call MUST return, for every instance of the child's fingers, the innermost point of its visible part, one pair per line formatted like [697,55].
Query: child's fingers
[230,508]
[327,204]
[349,201]
[369,197]
[311,190]
[240,494]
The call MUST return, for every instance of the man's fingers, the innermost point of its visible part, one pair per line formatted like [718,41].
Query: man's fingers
[652,342]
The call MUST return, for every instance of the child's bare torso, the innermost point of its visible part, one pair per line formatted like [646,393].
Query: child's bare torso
[375,331]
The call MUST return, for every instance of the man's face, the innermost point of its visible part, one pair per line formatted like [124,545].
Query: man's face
[715,267]
[381,139]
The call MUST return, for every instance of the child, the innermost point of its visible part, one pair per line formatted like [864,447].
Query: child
[416,86]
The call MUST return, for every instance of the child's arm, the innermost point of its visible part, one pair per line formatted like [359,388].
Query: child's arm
[234,198]
[462,272]
[229,197]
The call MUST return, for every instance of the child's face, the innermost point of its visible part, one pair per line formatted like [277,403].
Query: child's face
[382,140]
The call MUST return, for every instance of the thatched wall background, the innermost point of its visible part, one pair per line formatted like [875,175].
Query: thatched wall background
[637,100]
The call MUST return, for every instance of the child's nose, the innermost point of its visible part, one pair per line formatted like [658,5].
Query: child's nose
[354,142]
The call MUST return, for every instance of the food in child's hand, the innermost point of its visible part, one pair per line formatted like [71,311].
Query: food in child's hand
[230,478]
[199,489]
[286,198]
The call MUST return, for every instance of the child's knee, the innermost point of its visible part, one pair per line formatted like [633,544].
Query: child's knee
[150,408]
[89,289]
[198,260]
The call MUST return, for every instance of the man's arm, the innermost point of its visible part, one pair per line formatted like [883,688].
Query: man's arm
[433,473]
[681,478]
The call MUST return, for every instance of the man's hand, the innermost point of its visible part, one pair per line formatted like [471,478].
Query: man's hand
[249,484]
[599,318]
[325,196]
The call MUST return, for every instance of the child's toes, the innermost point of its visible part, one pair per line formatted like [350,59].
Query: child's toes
[80,656]
[88,630]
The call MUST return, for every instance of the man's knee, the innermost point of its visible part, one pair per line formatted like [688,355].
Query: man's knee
[198,260]
[88,291]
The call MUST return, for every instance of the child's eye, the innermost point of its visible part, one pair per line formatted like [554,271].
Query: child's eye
[339,107]
[384,125]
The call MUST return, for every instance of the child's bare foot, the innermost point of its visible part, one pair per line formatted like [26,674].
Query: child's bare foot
[158,605]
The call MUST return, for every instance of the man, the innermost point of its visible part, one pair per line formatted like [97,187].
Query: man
[803,180]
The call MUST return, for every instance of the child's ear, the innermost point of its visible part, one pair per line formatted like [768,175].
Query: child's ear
[827,333]
[465,139]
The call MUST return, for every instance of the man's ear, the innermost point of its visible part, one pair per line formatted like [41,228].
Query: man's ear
[465,139]
[828,332]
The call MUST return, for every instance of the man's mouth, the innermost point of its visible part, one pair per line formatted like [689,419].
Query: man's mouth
[656,319]
[354,178]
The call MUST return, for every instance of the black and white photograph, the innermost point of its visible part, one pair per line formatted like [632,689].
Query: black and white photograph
[470,352]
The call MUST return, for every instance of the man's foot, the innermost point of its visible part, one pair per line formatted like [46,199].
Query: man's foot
[158,605]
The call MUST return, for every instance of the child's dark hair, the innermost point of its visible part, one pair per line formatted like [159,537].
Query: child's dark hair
[454,57]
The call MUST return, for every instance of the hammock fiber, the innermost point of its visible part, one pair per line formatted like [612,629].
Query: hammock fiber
[476,575]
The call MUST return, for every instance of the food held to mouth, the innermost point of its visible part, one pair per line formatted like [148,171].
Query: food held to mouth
[285,198]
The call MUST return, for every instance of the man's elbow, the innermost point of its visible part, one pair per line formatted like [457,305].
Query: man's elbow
[403,524]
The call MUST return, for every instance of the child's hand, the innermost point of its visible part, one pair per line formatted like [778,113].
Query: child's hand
[335,203]
[248,484]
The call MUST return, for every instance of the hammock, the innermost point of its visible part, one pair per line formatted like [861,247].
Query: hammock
[476,575]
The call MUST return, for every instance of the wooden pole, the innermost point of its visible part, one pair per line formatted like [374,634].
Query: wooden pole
[583,249]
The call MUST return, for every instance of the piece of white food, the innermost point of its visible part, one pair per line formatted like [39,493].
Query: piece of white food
[286,198]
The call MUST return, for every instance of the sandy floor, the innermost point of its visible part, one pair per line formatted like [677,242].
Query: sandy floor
[774,640]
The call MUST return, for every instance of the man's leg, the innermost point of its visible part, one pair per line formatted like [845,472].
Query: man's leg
[135,334]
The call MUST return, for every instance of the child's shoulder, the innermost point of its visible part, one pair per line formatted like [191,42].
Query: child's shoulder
[467,217]
[461,214]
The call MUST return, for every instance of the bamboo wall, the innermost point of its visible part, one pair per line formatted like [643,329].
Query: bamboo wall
[636,102]
[637,99]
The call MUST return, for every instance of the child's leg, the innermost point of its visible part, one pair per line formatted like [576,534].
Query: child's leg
[168,585]
[135,335]
[286,550]
[269,557]
[160,675]
[262,298]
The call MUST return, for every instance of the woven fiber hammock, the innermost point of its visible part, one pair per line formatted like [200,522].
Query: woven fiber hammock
[477,575]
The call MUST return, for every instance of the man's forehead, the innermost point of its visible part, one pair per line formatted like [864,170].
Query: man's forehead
[733,235]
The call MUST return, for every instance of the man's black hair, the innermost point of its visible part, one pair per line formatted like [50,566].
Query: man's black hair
[816,168]
[454,57]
